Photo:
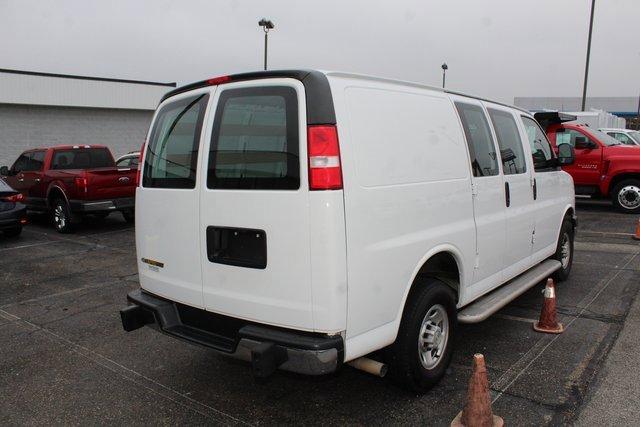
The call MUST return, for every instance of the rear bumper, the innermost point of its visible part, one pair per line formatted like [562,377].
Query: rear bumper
[267,348]
[13,218]
[102,205]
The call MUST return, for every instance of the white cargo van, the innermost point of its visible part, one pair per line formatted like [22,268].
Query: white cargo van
[303,219]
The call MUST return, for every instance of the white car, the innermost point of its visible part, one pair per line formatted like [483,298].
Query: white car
[626,136]
[303,219]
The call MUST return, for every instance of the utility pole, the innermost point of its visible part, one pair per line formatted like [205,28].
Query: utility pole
[444,73]
[266,26]
[586,68]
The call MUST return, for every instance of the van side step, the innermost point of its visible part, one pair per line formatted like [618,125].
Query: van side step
[488,304]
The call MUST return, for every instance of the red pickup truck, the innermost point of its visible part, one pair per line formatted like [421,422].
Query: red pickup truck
[603,167]
[72,180]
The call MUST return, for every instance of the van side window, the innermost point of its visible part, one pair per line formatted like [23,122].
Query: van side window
[481,147]
[540,147]
[255,141]
[511,151]
[172,153]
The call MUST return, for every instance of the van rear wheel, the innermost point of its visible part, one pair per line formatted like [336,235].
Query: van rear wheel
[424,346]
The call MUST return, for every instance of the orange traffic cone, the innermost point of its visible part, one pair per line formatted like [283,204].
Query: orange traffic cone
[477,411]
[637,235]
[548,319]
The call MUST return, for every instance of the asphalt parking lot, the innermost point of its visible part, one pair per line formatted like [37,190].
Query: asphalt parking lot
[64,358]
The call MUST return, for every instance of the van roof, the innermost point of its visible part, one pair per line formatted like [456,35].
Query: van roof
[317,89]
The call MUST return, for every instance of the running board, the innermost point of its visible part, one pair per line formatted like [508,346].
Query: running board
[488,304]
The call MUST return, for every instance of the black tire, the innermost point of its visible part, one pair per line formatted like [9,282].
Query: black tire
[405,360]
[129,215]
[566,234]
[61,216]
[626,196]
[13,232]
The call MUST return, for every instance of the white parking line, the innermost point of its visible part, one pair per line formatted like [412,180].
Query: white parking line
[543,344]
[11,248]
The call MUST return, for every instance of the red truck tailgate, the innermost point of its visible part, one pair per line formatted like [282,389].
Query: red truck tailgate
[110,183]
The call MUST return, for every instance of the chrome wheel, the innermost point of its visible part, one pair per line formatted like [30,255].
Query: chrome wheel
[433,337]
[565,250]
[59,217]
[629,197]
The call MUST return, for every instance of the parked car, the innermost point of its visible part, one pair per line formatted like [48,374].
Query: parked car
[625,136]
[129,160]
[603,167]
[13,214]
[313,218]
[69,181]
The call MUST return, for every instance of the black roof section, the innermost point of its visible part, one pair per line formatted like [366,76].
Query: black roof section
[546,118]
[320,109]
[70,76]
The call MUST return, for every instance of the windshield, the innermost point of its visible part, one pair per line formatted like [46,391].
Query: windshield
[635,135]
[604,138]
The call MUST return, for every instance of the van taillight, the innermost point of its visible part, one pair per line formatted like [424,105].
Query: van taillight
[81,184]
[325,171]
[144,145]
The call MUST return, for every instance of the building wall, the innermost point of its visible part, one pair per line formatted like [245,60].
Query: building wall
[29,126]
[43,89]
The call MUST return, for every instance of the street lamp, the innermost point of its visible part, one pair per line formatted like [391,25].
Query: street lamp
[586,67]
[445,67]
[266,26]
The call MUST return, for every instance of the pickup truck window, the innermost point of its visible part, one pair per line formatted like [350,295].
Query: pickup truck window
[22,163]
[172,155]
[604,138]
[481,147]
[511,151]
[540,147]
[255,140]
[82,158]
[37,160]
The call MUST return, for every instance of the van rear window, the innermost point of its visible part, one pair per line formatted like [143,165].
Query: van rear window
[172,154]
[82,158]
[255,142]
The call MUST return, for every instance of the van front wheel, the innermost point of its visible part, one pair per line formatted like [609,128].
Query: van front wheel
[424,346]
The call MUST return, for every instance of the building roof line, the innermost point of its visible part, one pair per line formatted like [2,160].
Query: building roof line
[70,76]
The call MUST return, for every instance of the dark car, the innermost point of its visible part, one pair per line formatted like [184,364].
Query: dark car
[13,214]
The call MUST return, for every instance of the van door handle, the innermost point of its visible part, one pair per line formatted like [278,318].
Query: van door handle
[507,194]
[535,189]
[37,179]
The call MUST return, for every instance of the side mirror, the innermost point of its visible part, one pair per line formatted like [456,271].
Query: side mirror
[582,143]
[4,171]
[566,154]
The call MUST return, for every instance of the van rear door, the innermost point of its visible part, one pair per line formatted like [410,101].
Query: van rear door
[168,201]
[254,205]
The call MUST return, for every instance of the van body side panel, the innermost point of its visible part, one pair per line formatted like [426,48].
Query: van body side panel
[252,191]
[407,190]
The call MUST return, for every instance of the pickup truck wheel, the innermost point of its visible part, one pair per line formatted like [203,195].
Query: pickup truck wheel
[61,216]
[424,346]
[129,216]
[564,250]
[626,196]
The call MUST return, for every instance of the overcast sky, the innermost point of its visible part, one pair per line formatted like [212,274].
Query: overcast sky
[494,48]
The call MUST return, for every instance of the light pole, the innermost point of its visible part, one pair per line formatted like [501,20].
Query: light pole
[444,73]
[266,26]
[586,67]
